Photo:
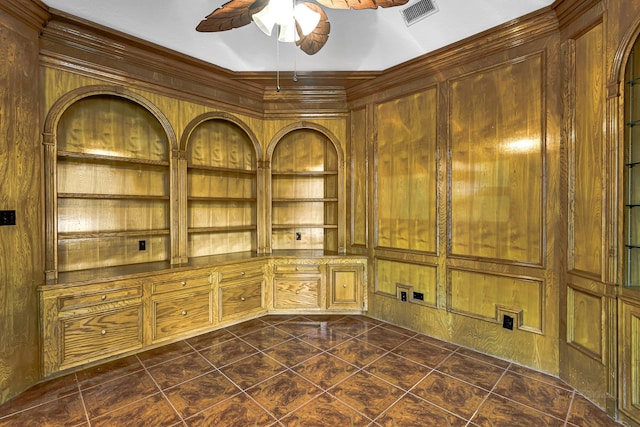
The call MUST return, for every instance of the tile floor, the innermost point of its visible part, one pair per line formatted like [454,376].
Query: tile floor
[305,371]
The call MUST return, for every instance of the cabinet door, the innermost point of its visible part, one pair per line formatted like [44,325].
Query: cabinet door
[176,313]
[297,292]
[345,284]
[630,360]
[99,335]
[240,299]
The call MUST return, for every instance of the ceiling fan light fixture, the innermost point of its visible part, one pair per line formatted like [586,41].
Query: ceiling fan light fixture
[285,15]
[307,19]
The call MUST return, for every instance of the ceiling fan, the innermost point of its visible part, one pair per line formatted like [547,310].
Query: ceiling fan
[304,23]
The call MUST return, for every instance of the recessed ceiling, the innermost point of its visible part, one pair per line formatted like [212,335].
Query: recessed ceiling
[360,40]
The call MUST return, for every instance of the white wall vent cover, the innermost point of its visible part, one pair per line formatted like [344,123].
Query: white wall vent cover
[419,10]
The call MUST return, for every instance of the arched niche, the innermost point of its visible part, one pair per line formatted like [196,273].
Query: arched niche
[306,188]
[221,203]
[108,182]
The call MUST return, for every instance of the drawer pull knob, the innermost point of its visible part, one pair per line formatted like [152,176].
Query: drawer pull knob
[344,286]
[104,297]
[183,283]
[184,312]
[297,268]
[103,332]
[242,273]
[241,298]
[298,291]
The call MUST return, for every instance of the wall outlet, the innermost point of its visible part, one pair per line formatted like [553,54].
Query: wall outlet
[142,245]
[418,296]
[403,296]
[298,236]
[7,217]
[507,322]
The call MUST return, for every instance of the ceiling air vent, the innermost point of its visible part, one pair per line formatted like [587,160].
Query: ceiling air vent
[419,10]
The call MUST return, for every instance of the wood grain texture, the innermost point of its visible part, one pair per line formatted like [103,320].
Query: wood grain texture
[21,174]
[496,184]
[629,319]
[358,166]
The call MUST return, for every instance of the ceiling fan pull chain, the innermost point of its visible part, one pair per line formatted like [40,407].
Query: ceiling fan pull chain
[277,66]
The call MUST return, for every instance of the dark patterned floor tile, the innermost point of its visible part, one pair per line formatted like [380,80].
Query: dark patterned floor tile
[325,338]
[252,370]
[584,413]
[284,393]
[484,357]
[115,394]
[325,370]
[436,342]
[108,371]
[497,411]
[66,411]
[471,370]
[398,371]
[367,394]
[267,337]
[210,338]
[151,411]
[179,370]
[228,352]
[244,328]
[358,352]
[350,326]
[411,411]
[164,353]
[536,375]
[455,396]
[41,393]
[536,394]
[274,319]
[323,318]
[239,411]
[293,352]
[422,352]
[201,393]
[383,338]
[399,329]
[325,410]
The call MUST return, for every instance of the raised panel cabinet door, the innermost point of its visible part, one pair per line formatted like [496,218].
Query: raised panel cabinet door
[344,286]
[98,335]
[176,313]
[297,293]
[240,299]
[630,360]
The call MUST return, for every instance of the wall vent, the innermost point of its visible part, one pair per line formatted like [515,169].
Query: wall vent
[418,11]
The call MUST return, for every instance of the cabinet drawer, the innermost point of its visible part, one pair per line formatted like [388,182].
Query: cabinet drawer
[297,293]
[240,299]
[85,338]
[297,268]
[239,272]
[70,302]
[181,313]
[188,282]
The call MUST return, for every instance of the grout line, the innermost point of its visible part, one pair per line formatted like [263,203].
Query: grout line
[566,419]
[84,406]
[162,392]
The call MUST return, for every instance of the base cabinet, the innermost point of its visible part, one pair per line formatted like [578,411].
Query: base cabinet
[87,322]
[629,353]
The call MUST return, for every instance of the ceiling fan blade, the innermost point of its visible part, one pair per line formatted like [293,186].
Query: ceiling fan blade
[316,39]
[361,4]
[233,14]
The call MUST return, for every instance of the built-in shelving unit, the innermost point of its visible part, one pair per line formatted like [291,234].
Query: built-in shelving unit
[632,173]
[222,189]
[112,185]
[304,192]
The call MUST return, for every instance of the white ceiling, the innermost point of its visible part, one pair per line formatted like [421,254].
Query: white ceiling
[362,40]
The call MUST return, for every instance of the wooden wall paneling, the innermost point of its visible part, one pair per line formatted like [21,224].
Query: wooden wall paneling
[21,174]
[586,151]
[406,172]
[394,276]
[629,384]
[497,167]
[358,178]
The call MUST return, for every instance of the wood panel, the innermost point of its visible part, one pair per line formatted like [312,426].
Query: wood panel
[629,384]
[586,161]
[585,322]
[21,172]
[359,177]
[489,296]
[406,172]
[497,169]
[415,277]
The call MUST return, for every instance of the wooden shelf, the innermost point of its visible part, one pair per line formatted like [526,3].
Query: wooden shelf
[304,173]
[110,196]
[215,169]
[223,229]
[305,200]
[110,234]
[294,226]
[107,158]
[222,199]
